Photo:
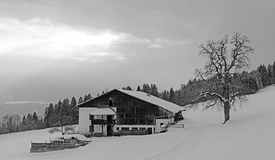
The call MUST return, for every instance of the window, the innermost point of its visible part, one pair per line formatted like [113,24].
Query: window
[110,102]
[117,128]
[124,128]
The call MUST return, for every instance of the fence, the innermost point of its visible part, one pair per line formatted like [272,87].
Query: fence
[45,147]
[131,132]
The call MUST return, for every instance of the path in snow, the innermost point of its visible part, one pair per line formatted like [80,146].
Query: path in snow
[194,129]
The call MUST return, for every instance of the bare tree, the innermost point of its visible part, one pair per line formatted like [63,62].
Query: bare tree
[63,129]
[225,58]
[12,122]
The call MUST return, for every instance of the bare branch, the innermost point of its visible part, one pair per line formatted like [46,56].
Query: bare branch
[211,105]
[199,73]
[234,95]
[240,51]
[240,98]
[215,95]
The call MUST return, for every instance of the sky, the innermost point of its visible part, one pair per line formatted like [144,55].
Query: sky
[125,42]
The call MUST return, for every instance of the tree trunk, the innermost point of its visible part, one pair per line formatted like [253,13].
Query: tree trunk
[226,109]
[62,130]
[226,92]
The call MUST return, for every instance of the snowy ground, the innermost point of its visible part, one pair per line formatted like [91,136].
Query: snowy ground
[250,134]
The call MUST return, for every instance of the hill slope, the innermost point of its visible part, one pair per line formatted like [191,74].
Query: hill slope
[248,135]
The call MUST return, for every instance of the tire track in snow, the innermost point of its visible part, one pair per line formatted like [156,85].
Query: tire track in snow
[194,137]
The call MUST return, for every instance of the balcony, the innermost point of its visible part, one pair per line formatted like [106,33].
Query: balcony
[103,122]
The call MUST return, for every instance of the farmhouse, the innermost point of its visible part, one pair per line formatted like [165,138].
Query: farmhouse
[124,110]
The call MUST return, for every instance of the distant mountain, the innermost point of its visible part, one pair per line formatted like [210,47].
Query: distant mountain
[41,89]
[22,109]
[25,95]
[28,93]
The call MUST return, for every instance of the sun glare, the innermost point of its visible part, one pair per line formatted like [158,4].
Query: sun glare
[45,38]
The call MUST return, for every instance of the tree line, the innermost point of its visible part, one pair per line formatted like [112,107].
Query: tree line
[55,115]
[251,82]
[15,123]
[65,113]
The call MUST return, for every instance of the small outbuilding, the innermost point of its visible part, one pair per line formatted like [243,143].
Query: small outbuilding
[124,110]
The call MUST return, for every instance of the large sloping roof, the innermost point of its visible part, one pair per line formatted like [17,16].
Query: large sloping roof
[153,100]
[145,97]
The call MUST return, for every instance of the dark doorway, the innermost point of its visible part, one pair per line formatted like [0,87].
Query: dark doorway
[149,130]
[91,128]
[109,125]
[109,130]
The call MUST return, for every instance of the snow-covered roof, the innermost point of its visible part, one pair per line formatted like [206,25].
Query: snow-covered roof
[103,111]
[153,100]
[145,97]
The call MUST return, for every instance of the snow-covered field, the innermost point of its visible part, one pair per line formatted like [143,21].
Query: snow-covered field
[250,134]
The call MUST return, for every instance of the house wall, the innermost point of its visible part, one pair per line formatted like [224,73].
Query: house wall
[160,122]
[84,122]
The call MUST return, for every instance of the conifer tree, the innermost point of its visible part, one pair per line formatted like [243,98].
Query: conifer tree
[269,74]
[50,114]
[256,75]
[57,113]
[65,117]
[166,95]
[34,117]
[273,71]
[138,88]
[85,98]
[24,121]
[146,88]
[154,90]
[171,95]
[128,88]
[263,73]
[29,119]
[80,100]
[74,111]
[89,96]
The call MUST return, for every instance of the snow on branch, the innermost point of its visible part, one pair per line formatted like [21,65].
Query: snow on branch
[215,95]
